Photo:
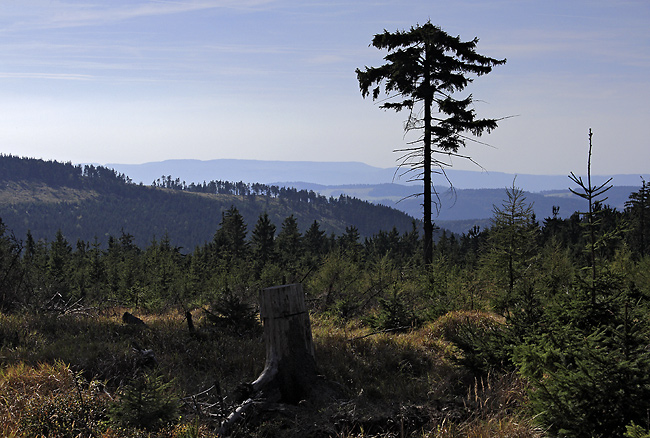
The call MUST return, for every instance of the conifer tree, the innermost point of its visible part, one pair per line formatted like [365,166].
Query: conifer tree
[591,193]
[512,243]
[425,67]
[638,209]
[230,238]
[289,242]
[315,241]
[262,240]
[590,366]
[58,265]
[10,269]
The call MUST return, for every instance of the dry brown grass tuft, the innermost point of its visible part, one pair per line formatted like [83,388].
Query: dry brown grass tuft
[388,366]
[451,325]
[49,400]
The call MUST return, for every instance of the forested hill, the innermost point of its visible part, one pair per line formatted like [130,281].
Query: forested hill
[95,202]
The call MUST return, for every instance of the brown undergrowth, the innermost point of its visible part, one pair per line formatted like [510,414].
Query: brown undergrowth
[63,376]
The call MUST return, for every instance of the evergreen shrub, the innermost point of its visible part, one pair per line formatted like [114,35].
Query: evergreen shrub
[148,402]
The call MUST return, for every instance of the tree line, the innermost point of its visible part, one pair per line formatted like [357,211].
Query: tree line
[290,251]
[56,174]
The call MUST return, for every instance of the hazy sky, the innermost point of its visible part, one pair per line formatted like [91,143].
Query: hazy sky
[133,81]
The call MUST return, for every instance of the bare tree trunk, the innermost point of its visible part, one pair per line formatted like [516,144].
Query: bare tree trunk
[290,363]
[426,171]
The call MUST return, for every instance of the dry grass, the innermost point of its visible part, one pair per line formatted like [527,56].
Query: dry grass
[390,366]
[493,408]
[22,192]
[49,399]
[100,347]
[389,384]
[451,325]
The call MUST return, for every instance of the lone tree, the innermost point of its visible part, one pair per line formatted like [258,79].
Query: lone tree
[424,67]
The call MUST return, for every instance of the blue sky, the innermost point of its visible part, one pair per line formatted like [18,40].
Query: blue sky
[137,81]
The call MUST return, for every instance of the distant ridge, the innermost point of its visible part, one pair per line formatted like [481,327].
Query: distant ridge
[341,173]
[476,192]
[266,172]
[95,203]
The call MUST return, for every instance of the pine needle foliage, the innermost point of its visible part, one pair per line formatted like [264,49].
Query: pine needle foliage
[147,402]
[425,69]
[512,243]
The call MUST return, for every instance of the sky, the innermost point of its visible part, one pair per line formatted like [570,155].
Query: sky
[135,81]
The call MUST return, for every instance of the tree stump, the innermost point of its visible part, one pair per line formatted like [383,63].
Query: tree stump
[290,366]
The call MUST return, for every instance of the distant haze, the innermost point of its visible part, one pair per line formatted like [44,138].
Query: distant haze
[342,173]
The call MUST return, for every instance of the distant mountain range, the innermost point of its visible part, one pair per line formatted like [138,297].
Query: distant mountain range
[470,203]
[286,173]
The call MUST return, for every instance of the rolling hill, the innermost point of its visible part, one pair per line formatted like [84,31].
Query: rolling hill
[92,202]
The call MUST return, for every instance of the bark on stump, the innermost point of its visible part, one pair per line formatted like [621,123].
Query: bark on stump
[290,363]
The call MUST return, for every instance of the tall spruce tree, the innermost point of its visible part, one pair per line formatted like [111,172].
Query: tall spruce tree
[424,68]
[638,210]
[289,242]
[230,239]
[263,241]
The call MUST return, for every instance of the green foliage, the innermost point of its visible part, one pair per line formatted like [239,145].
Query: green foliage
[147,402]
[337,285]
[10,275]
[232,309]
[289,242]
[579,340]
[481,336]
[638,210]
[590,368]
[263,242]
[425,67]
[636,431]
[512,246]
[393,314]
[588,361]
[592,216]
[96,203]
[230,239]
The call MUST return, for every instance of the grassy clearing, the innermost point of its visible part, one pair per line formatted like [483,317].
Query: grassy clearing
[63,376]
[24,193]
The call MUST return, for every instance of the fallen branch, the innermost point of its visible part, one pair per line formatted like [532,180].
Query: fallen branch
[395,329]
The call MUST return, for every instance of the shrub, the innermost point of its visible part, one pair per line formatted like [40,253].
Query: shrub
[232,309]
[147,402]
[591,369]
[480,335]
[636,431]
[394,313]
